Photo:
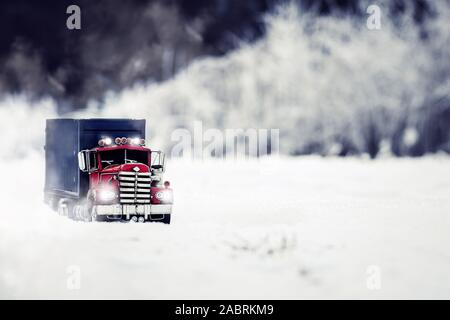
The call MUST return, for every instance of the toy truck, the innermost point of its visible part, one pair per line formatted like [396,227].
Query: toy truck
[101,170]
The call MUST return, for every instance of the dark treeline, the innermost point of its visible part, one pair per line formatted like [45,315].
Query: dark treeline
[399,102]
[122,42]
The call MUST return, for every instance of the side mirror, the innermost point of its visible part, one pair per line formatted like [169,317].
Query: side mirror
[157,160]
[82,163]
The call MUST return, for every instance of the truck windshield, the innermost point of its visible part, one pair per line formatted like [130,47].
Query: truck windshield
[122,156]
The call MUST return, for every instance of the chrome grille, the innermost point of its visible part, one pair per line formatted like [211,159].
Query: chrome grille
[134,187]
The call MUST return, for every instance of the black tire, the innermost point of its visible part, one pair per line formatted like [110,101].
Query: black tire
[166,219]
[160,218]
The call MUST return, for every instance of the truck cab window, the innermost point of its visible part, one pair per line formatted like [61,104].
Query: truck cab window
[114,157]
[93,161]
[137,156]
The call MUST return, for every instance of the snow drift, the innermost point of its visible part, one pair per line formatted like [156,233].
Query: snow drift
[307,227]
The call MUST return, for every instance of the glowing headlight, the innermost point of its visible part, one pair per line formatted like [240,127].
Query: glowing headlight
[135,141]
[106,195]
[164,196]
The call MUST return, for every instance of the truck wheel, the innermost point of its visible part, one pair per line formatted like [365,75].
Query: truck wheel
[160,218]
[166,219]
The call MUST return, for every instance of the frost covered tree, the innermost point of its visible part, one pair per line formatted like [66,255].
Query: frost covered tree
[331,85]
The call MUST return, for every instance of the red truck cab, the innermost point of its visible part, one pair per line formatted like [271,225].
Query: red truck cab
[126,182]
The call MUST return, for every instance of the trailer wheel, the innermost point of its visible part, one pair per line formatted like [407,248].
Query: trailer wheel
[86,211]
[77,212]
[63,208]
[71,208]
[53,203]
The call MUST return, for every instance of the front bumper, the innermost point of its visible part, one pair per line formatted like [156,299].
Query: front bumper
[133,210]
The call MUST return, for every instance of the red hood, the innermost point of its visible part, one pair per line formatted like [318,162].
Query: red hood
[126,167]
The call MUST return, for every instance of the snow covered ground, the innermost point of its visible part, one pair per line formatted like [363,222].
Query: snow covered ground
[306,227]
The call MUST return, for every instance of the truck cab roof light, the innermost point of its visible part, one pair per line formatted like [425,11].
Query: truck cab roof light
[108,141]
[118,141]
[135,141]
[105,142]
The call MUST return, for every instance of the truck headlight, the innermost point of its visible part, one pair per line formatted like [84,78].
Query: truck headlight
[159,195]
[106,195]
[164,195]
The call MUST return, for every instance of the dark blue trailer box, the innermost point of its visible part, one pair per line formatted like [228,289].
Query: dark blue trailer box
[64,138]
